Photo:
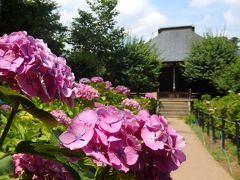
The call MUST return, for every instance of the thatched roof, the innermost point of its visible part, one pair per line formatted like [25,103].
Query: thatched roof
[174,43]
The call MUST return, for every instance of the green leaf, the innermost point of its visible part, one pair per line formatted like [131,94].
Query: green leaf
[6,178]
[103,98]
[46,149]
[54,137]
[74,169]
[6,166]
[12,97]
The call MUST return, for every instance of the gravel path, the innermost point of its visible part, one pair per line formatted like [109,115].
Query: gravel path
[199,165]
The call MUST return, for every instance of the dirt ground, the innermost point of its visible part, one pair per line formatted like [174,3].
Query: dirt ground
[199,165]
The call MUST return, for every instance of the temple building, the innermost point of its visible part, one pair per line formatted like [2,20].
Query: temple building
[173,45]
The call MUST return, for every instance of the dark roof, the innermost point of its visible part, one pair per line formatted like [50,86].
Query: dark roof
[174,43]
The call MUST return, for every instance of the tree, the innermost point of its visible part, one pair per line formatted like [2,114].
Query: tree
[102,48]
[38,17]
[229,78]
[95,33]
[85,64]
[137,66]
[209,57]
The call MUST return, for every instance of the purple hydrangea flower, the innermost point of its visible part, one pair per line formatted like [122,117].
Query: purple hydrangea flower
[97,79]
[5,107]
[84,81]
[39,167]
[108,85]
[85,91]
[122,89]
[150,96]
[131,103]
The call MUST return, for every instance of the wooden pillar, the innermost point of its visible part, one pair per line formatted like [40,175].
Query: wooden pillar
[174,79]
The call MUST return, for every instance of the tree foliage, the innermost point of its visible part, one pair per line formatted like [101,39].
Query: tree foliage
[137,66]
[209,57]
[229,78]
[102,48]
[95,32]
[38,17]
[85,64]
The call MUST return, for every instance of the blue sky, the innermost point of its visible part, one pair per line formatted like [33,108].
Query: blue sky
[142,18]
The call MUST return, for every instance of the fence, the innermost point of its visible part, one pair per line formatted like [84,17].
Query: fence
[208,124]
[174,94]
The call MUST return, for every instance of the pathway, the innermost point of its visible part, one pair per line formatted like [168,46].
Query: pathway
[199,165]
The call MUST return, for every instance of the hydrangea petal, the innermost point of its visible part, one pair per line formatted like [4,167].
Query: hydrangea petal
[67,138]
[131,155]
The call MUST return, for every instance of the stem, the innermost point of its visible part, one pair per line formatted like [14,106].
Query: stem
[104,173]
[5,155]
[9,123]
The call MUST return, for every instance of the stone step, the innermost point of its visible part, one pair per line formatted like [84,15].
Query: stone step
[174,110]
[174,102]
[169,115]
[175,99]
[173,107]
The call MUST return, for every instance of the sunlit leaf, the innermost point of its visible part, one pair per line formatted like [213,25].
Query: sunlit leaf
[6,164]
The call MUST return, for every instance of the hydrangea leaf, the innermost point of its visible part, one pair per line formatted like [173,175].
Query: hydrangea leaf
[12,97]
[6,166]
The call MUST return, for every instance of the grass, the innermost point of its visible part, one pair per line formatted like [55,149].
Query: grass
[227,157]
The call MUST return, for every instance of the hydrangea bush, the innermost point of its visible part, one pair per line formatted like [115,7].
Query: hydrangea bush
[76,130]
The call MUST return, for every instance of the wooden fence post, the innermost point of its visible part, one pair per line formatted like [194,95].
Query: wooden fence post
[223,133]
[208,124]
[203,120]
[237,134]
[213,129]
[198,117]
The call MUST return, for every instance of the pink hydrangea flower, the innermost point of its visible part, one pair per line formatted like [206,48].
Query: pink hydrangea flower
[80,131]
[39,167]
[131,103]
[162,145]
[97,79]
[107,135]
[150,96]
[121,155]
[142,143]
[154,132]
[122,89]
[110,119]
[27,64]
[97,148]
[85,91]
[131,123]
[61,117]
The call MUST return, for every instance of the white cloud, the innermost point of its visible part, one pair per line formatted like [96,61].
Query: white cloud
[131,7]
[69,9]
[140,17]
[232,16]
[203,3]
[149,24]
